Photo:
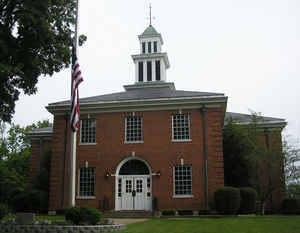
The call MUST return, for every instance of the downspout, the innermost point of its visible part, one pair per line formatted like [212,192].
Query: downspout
[41,153]
[267,137]
[64,163]
[205,156]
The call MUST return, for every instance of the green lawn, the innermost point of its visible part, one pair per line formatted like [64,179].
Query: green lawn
[265,224]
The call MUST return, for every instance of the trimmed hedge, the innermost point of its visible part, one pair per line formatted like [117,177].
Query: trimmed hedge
[290,206]
[4,210]
[83,215]
[227,200]
[248,200]
[168,212]
[185,212]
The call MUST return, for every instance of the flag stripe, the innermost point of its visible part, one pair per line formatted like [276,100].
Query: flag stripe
[76,80]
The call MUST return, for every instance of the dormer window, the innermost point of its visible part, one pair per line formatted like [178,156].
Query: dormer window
[149,47]
[144,47]
[155,46]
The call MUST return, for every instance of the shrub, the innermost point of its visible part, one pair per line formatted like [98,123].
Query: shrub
[248,200]
[185,212]
[227,200]
[168,212]
[4,210]
[61,211]
[83,215]
[290,206]
[33,201]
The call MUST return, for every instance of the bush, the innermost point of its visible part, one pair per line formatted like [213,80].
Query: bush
[168,212]
[4,210]
[290,206]
[34,201]
[185,212]
[248,200]
[83,215]
[61,211]
[227,200]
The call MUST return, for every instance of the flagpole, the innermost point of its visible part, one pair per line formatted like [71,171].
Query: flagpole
[73,133]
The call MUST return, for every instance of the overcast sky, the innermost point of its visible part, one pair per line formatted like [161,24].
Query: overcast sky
[247,49]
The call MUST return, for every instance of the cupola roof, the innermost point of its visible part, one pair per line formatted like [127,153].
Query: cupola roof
[150,31]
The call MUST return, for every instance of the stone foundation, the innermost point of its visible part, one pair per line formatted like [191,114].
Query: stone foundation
[10,228]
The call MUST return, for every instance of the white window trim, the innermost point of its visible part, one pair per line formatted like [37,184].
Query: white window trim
[181,140]
[86,197]
[125,136]
[78,186]
[87,143]
[183,195]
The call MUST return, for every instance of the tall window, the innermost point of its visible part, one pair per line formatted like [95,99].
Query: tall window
[182,180]
[134,129]
[149,47]
[149,71]
[144,47]
[181,127]
[88,131]
[141,71]
[155,46]
[87,182]
[157,70]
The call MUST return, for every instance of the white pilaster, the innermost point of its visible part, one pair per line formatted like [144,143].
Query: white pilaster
[136,71]
[145,70]
[153,70]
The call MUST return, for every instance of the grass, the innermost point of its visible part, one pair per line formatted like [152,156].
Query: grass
[257,224]
[50,217]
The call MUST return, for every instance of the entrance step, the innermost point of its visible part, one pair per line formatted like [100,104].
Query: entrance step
[128,214]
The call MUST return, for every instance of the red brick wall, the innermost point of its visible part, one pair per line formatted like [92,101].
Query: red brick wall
[158,150]
[35,156]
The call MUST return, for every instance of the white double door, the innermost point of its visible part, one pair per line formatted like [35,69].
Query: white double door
[136,193]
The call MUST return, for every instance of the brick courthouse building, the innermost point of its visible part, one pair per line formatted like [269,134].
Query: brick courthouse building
[149,141]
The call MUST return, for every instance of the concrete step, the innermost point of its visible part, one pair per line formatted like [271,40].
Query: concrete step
[128,214]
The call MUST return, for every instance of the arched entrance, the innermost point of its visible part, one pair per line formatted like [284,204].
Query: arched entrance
[133,185]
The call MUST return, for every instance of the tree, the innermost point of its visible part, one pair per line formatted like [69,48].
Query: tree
[35,39]
[14,166]
[291,157]
[252,157]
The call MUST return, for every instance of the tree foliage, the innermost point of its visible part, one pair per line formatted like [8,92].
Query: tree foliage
[254,156]
[14,162]
[35,39]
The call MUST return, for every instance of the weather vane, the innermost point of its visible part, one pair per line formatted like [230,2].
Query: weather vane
[150,14]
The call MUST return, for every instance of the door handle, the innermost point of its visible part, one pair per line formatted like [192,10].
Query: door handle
[133,193]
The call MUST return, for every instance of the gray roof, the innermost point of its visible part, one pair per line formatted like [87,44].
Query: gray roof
[150,31]
[247,118]
[146,93]
[40,132]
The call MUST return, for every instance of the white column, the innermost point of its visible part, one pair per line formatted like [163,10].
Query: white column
[136,71]
[145,70]
[163,70]
[153,71]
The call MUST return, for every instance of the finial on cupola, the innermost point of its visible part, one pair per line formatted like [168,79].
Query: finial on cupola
[150,15]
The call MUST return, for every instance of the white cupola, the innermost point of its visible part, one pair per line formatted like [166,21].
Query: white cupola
[151,63]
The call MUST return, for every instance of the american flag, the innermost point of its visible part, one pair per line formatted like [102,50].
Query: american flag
[76,80]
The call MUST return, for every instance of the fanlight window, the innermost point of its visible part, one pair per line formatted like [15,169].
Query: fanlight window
[134,167]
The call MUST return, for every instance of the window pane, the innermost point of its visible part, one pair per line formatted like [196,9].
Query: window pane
[157,70]
[141,72]
[88,130]
[149,47]
[86,181]
[149,71]
[155,46]
[133,128]
[181,127]
[144,47]
[183,180]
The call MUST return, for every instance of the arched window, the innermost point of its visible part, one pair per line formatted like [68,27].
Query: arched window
[134,167]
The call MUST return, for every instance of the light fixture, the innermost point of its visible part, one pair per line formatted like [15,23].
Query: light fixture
[106,175]
[158,173]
